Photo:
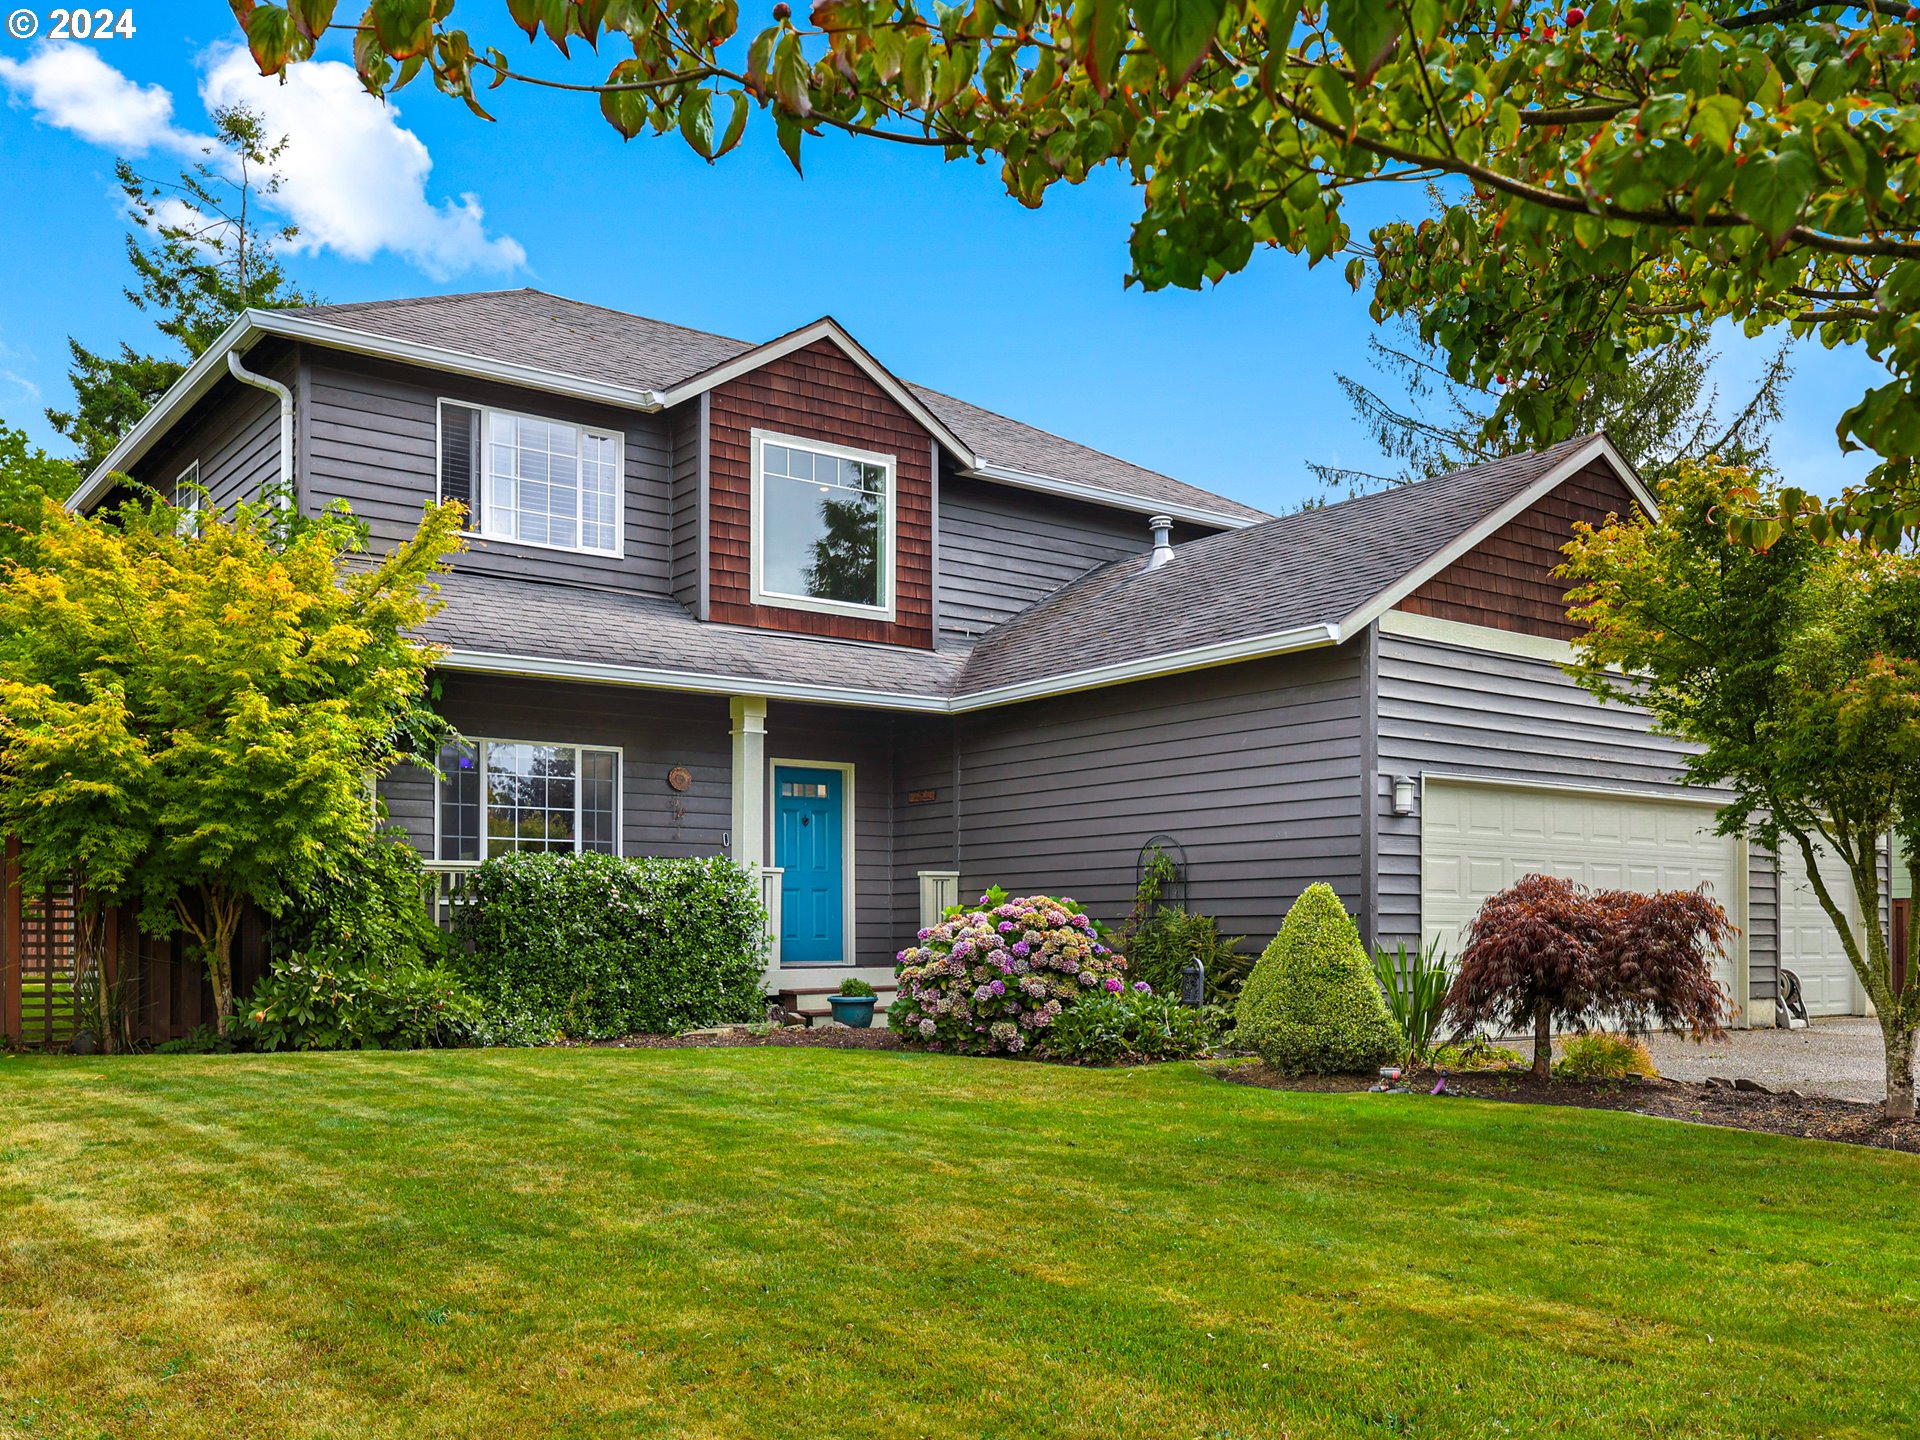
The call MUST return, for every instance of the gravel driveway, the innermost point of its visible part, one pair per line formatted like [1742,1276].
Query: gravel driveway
[1840,1058]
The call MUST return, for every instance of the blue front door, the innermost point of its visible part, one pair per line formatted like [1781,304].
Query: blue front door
[809,844]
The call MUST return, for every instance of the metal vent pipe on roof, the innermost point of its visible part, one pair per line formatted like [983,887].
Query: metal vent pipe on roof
[1162,527]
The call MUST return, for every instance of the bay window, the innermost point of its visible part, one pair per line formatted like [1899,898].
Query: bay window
[823,527]
[498,796]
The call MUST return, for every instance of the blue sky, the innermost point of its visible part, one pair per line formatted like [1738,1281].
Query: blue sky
[949,282]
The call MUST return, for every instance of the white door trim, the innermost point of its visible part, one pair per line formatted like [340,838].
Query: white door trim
[849,881]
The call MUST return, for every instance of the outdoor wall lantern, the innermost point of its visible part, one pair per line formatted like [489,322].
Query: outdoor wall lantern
[1403,788]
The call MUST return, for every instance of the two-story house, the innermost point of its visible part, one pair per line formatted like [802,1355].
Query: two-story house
[885,647]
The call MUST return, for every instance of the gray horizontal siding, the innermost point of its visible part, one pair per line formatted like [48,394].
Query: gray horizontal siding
[234,434]
[371,439]
[1001,549]
[1446,709]
[1254,769]
[923,833]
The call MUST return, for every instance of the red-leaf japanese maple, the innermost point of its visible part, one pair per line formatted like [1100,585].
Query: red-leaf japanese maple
[1547,951]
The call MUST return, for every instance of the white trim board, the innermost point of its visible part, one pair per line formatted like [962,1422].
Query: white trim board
[1476,637]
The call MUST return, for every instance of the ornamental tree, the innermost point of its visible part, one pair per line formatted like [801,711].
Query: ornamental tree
[1546,952]
[192,705]
[1795,670]
[1615,174]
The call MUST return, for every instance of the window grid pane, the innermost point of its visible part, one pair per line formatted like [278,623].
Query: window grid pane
[599,800]
[822,526]
[530,798]
[550,483]
[459,803]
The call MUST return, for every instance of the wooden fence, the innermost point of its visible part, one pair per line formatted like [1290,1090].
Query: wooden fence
[157,988]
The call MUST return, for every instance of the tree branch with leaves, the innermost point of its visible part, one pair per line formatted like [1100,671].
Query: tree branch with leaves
[1618,174]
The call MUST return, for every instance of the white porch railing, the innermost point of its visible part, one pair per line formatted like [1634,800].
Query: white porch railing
[447,889]
[771,898]
[938,890]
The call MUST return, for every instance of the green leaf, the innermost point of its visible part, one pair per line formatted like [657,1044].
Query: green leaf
[1717,120]
[787,129]
[403,27]
[1772,189]
[311,17]
[1335,97]
[626,110]
[792,77]
[273,40]
[1364,28]
[736,123]
[696,122]
[1179,31]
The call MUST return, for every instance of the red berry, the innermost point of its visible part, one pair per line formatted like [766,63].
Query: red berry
[1576,15]
[782,10]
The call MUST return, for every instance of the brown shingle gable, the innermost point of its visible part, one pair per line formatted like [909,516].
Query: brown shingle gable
[1506,581]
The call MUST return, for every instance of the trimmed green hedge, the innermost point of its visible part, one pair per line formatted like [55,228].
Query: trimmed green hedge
[594,946]
[1312,1006]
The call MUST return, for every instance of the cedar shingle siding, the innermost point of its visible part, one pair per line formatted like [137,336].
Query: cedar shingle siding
[1506,581]
[818,394]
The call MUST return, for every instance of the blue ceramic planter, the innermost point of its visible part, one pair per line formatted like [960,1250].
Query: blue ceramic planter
[854,1010]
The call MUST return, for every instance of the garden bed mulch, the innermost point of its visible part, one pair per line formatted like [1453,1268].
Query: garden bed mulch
[830,1037]
[1785,1113]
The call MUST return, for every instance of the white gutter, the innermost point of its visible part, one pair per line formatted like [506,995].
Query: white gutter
[1201,657]
[1253,647]
[698,682]
[285,396]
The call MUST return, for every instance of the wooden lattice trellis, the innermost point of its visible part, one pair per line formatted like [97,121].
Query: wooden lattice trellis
[37,959]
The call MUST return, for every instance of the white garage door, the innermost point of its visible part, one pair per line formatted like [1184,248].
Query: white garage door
[1479,839]
[1809,945]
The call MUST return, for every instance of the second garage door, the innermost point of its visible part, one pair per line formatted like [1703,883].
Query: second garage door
[1809,944]
[1479,838]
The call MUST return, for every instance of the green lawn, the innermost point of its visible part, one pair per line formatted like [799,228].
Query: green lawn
[762,1243]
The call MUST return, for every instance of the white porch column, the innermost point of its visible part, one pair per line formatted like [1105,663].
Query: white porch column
[750,780]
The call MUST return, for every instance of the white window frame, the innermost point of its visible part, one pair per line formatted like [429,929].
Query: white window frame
[480,747]
[889,548]
[187,501]
[483,461]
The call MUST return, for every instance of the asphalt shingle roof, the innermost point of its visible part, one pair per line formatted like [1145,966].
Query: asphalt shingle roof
[531,327]
[501,615]
[1315,567]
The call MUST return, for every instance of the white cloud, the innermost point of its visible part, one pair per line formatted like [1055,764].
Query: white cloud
[353,179]
[71,87]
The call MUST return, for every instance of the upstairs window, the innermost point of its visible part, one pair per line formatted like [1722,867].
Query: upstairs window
[823,527]
[498,796]
[530,480]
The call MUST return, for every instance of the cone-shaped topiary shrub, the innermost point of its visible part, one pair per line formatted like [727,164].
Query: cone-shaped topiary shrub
[1311,1006]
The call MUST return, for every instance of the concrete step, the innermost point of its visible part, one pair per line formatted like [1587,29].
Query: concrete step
[810,1001]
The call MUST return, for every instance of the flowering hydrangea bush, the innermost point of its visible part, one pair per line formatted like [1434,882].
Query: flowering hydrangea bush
[991,979]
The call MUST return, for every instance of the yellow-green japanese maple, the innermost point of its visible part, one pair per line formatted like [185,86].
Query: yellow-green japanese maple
[1616,173]
[192,706]
[1796,671]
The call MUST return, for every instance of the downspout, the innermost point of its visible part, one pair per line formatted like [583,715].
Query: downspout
[273,387]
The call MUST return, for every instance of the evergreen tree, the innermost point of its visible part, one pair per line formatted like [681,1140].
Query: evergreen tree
[1662,411]
[29,477]
[202,250]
